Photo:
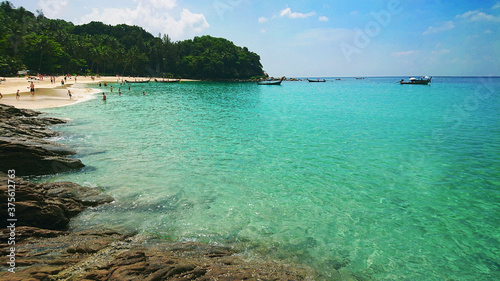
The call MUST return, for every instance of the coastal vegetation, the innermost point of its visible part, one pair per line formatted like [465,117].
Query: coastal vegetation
[50,46]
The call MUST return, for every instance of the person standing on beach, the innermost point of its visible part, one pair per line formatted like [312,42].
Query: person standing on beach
[69,94]
[17,95]
[32,89]
[62,82]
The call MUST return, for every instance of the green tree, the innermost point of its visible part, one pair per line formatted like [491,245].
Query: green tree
[55,46]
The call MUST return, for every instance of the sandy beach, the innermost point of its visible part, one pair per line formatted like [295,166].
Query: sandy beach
[53,94]
[48,94]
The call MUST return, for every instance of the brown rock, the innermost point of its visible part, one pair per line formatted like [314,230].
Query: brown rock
[29,158]
[84,195]
[37,214]
[48,205]
[23,148]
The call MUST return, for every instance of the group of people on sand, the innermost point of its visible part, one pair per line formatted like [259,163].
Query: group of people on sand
[32,91]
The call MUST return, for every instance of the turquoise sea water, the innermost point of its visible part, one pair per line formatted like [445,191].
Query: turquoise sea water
[388,181]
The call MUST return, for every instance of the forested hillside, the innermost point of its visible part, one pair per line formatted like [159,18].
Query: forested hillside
[49,46]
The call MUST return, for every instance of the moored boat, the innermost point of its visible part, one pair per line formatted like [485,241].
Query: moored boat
[317,80]
[270,82]
[144,81]
[421,81]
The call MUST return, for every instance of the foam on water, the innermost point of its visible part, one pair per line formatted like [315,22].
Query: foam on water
[391,182]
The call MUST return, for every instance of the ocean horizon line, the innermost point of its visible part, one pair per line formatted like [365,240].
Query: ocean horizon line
[397,76]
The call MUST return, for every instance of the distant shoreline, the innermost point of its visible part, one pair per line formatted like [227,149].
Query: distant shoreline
[48,95]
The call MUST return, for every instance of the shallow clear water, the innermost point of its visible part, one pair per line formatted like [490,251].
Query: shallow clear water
[393,182]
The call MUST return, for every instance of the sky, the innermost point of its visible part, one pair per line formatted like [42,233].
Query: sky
[316,38]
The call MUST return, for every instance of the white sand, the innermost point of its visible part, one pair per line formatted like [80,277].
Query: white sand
[54,94]
[47,94]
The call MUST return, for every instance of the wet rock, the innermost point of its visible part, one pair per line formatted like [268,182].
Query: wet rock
[48,205]
[107,255]
[23,148]
[37,214]
[25,123]
[190,261]
[25,232]
[48,253]
[35,159]
[7,111]
[84,195]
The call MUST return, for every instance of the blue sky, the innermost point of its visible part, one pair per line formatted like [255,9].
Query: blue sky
[320,38]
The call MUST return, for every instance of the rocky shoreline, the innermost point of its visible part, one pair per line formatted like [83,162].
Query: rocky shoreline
[36,243]
[23,144]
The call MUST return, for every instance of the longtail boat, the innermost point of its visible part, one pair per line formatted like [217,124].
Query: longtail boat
[317,80]
[144,81]
[270,82]
[414,81]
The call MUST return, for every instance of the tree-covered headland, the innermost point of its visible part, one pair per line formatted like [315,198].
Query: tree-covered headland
[49,46]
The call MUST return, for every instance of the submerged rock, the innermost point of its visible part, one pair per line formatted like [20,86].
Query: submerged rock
[43,251]
[108,255]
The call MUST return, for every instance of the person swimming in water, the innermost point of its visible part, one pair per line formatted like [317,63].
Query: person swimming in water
[103,96]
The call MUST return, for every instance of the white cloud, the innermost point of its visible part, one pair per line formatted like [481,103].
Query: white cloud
[163,4]
[497,6]
[52,8]
[403,54]
[263,30]
[478,16]
[488,31]
[263,19]
[294,15]
[446,26]
[154,16]
[354,13]
[323,18]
